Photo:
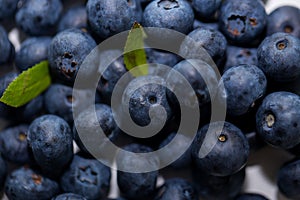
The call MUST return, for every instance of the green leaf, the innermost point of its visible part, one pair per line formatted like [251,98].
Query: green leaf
[28,85]
[134,52]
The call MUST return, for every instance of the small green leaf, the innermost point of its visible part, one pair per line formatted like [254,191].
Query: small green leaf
[28,85]
[135,54]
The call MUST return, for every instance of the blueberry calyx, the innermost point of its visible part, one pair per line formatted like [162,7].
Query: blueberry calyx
[282,44]
[288,29]
[168,4]
[270,120]
[222,138]
[22,136]
[236,21]
[37,179]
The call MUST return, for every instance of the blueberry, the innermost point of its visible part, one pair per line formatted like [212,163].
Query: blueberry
[288,179]
[32,51]
[3,172]
[86,177]
[278,119]
[136,185]
[185,159]
[157,56]
[69,196]
[109,17]
[13,144]
[211,40]
[39,17]
[219,187]
[206,8]
[149,96]
[8,8]
[67,51]
[172,14]
[26,184]
[177,189]
[75,17]
[239,55]
[227,156]
[243,22]
[111,75]
[244,85]
[209,25]
[50,139]
[284,19]
[278,56]
[85,123]
[6,48]
[250,196]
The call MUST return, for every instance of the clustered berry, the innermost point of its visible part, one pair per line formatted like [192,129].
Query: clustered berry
[256,75]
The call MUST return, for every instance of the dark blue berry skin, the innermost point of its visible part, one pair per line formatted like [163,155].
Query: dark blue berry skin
[85,123]
[39,17]
[111,75]
[177,189]
[26,184]
[244,85]
[278,56]
[210,25]
[13,144]
[284,19]
[229,154]
[86,177]
[278,119]
[186,158]
[211,40]
[136,185]
[109,17]
[177,15]
[75,17]
[33,50]
[69,196]
[239,55]
[206,8]
[219,187]
[3,172]
[288,179]
[67,51]
[146,97]
[6,48]
[50,139]
[161,57]
[8,8]
[250,196]
[243,22]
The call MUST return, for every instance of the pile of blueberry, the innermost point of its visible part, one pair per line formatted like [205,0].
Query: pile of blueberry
[257,55]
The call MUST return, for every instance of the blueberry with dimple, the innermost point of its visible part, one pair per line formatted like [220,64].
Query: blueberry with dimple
[109,17]
[13,144]
[39,17]
[284,19]
[226,146]
[67,51]
[32,51]
[136,185]
[8,8]
[172,14]
[243,86]
[88,125]
[26,184]
[288,179]
[243,22]
[278,56]
[6,48]
[69,196]
[239,55]
[278,119]
[206,8]
[150,95]
[86,177]
[75,17]
[3,172]
[250,196]
[50,139]
[210,40]
[177,189]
